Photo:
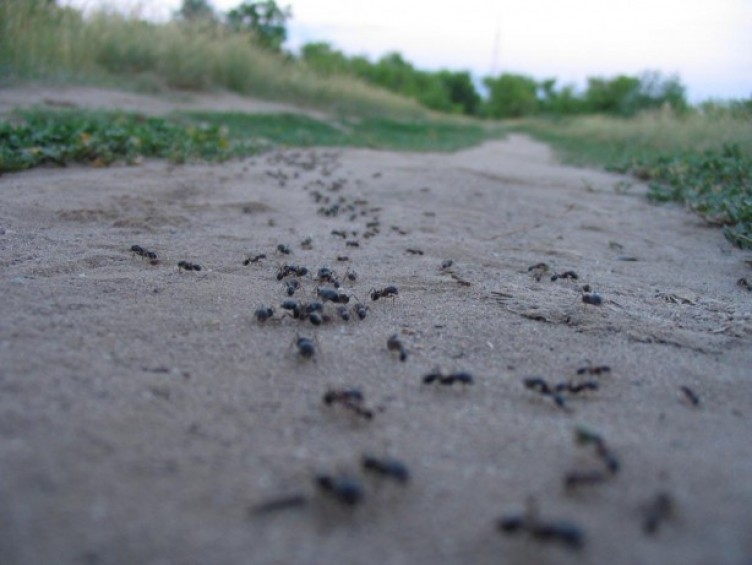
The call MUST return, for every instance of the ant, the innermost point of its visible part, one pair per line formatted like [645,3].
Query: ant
[292,306]
[344,313]
[583,436]
[414,251]
[446,263]
[744,283]
[566,533]
[394,344]
[537,270]
[352,243]
[340,233]
[283,249]
[351,275]
[188,266]
[332,295]
[307,243]
[691,395]
[286,270]
[305,347]
[344,488]
[540,386]
[574,479]
[325,274]
[592,298]
[264,313]
[659,509]
[384,292]
[565,275]
[146,254]
[350,398]
[361,310]
[342,258]
[292,286]
[448,380]
[254,259]
[597,370]
[576,388]
[387,467]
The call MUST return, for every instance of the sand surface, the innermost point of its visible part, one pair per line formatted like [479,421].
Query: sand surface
[145,414]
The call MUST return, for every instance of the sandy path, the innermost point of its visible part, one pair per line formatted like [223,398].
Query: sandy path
[144,412]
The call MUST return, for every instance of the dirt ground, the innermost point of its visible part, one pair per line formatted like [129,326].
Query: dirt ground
[146,416]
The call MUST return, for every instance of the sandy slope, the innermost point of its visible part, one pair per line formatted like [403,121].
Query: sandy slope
[145,413]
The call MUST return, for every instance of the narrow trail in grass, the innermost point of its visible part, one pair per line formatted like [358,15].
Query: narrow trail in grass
[146,413]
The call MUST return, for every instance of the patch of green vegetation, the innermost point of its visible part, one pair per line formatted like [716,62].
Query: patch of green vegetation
[41,137]
[701,161]
[382,133]
[98,138]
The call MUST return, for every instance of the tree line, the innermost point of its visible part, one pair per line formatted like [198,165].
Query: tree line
[508,95]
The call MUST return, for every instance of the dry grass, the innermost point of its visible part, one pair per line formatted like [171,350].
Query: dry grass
[62,45]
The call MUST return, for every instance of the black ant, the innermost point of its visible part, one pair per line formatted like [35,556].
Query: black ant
[565,275]
[283,249]
[361,310]
[350,398]
[351,275]
[264,313]
[658,510]
[254,259]
[744,283]
[574,479]
[395,344]
[414,251]
[332,295]
[307,243]
[566,533]
[293,307]
[540,386]
[344,313]
[447,263]
[188,266]
[342,258]
[145,253]
[592,298]
[344,488]
[583,436]
[305,347]
[448,380]
[537,270]
[286,270]
[691,395]
[597,370]
[387,467]
[340,233]
[352,243]
[292,286]
[384,292]
[325,274]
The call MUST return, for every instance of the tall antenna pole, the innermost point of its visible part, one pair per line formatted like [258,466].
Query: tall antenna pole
[495,55]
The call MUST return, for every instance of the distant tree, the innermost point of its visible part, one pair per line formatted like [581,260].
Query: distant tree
[460,91]
[195,10]
[619,95]
[657,90]
[511,96]
[324,58]
[264,19]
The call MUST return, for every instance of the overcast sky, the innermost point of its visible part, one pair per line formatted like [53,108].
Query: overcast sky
[707,42]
